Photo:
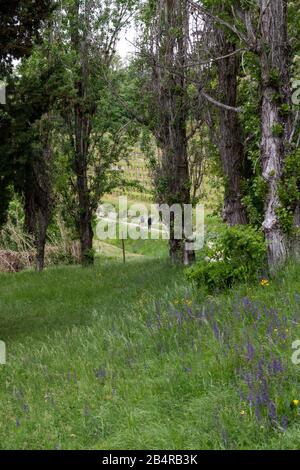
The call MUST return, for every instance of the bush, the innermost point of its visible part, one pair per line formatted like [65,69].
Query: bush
[238,255]
[17,248]
[11,261]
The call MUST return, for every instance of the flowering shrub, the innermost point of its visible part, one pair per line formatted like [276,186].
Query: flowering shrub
[238,255]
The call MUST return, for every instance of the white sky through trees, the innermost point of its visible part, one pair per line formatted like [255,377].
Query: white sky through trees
[125,46]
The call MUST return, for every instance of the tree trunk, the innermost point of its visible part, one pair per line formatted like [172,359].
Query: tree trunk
[86,242]
[85,214]
[83,112]
[230,133]
[173,180]
[43,194]
[29,209]
[41,241]
[175,172]
[85,223]
[274,59]
[38,192]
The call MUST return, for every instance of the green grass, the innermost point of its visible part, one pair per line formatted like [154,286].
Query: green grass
[153,248]
[130,357]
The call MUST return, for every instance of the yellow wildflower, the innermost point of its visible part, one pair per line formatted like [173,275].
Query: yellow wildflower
[264,283]
[295,402]
[242,413]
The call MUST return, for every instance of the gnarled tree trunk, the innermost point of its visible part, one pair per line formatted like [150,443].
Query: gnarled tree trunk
[170,81]
[38,194]
[85,216]
[83,112]
[274,60]
[230,133]
[40,240]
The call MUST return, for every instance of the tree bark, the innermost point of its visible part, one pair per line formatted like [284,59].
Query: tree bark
[274,60]
[83,111]
[230,133]
[29,209]
[43,193]
[38,193]
[85,216]
[82,137]
[41,241]
[173,181]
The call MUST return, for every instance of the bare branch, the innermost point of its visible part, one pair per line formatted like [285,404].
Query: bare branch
[232,28]
[219,104]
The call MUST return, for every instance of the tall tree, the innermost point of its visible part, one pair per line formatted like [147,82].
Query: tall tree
[217,52]
[88,36]
[230,136]
[261,28]
[165,52]
[20,27]
[275,64]
[29,146]
[20,22]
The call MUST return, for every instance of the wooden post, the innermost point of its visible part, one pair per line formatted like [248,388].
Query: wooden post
[123,249]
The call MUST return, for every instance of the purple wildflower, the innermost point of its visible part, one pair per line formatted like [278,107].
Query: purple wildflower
[216,330]
[284,422]
[250,351]
[272,411]
[100,373]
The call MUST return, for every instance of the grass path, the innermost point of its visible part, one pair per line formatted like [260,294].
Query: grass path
[112,251]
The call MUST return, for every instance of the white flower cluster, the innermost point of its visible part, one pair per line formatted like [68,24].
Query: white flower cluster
[218,255]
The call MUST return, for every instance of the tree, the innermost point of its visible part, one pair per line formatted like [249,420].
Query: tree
[20,21]
[28,145]
[88,37]
[216,54]
[275,64]
[165,53]
[230,136]
[263,32]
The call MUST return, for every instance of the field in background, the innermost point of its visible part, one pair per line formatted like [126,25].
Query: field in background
[135,169]
[156,248]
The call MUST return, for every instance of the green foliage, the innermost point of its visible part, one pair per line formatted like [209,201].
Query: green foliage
[285,109]
[289,191]
[20,21]
[88,257]
[274,77]
[238,255]
[254,200]
[253,187]
[277,129]
[286,218]
[29,97]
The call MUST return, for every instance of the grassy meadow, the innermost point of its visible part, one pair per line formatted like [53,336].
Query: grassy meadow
[132,357]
